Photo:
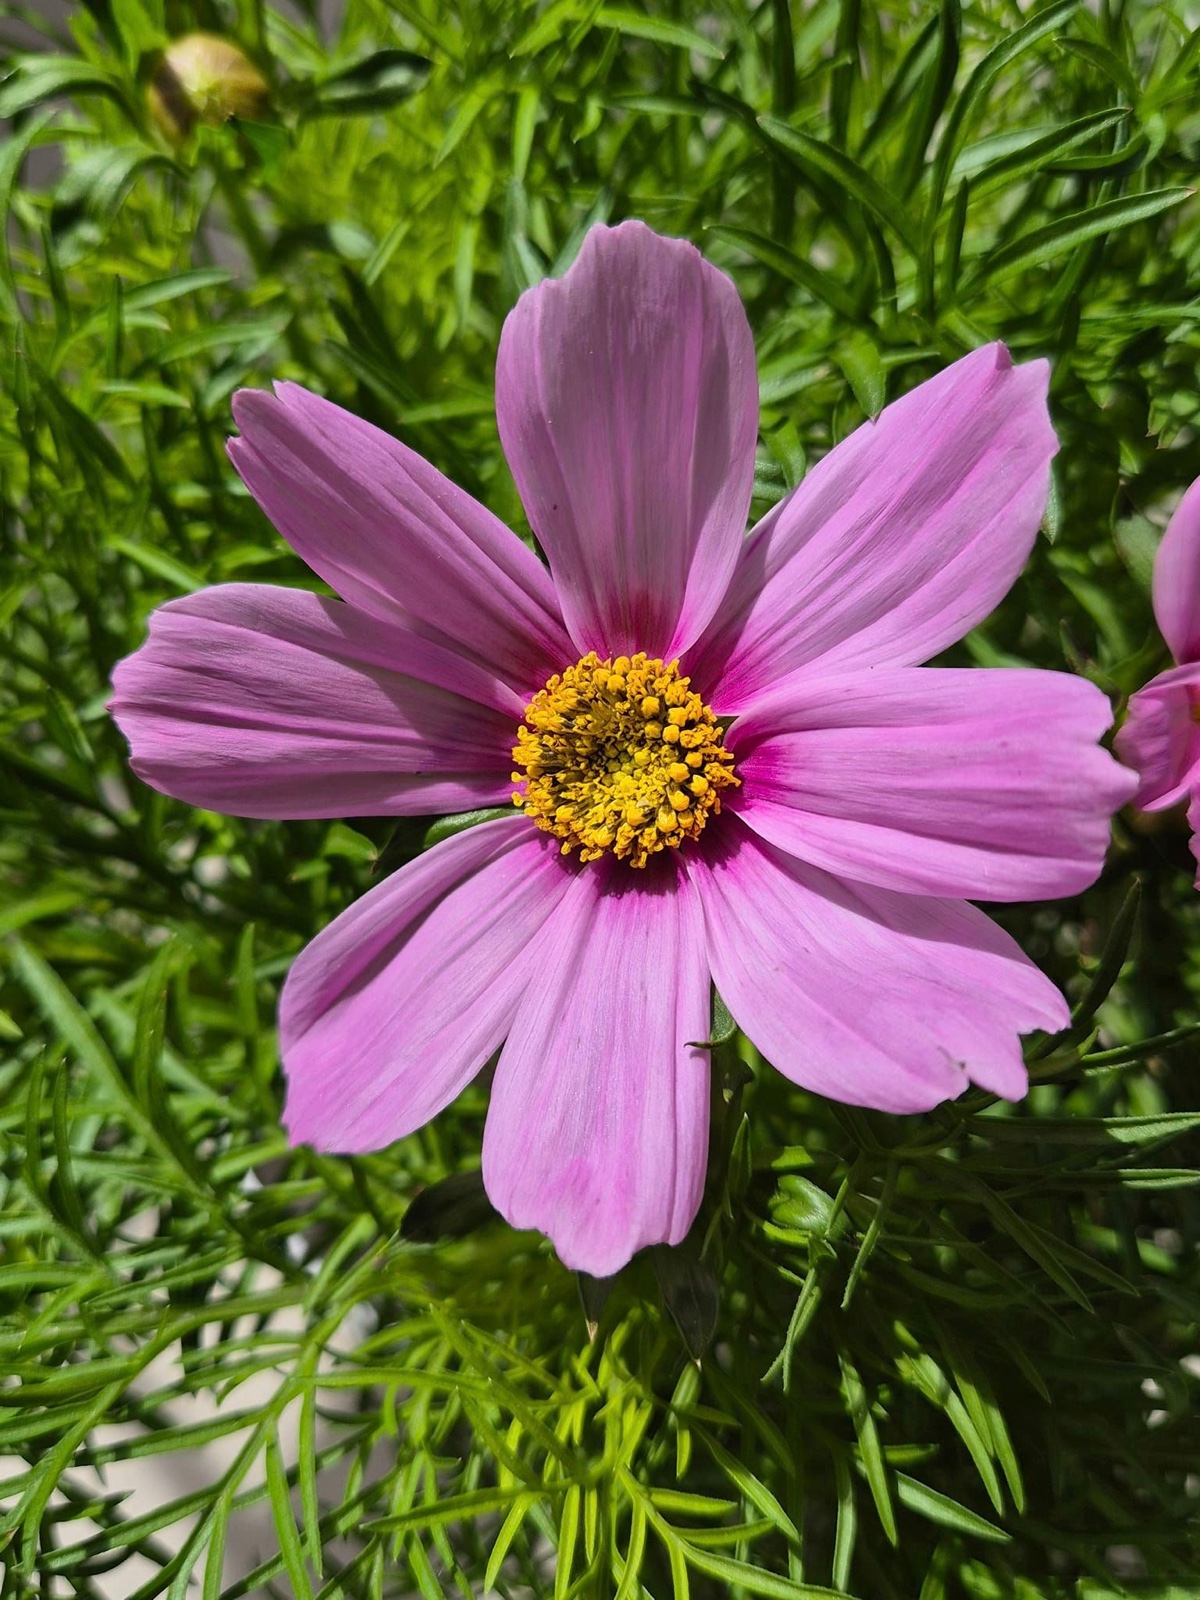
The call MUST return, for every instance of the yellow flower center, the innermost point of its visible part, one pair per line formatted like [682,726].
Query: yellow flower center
[620,755]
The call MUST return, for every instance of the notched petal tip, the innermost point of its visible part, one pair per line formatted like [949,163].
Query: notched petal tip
[250,406]
[620,244]
[985,783]
[994,356]
[597,1131]
[868,996]
[899,540]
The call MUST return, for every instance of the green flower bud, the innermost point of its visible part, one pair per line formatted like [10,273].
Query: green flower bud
[204,78]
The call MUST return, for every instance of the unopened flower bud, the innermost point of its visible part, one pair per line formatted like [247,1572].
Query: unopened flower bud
[204,78]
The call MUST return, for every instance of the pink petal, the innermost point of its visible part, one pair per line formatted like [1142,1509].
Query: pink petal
[1177,579]
[393,1009]
[266,702]
[899,541]
[988,784]
[860,994]
[628,409]
[395,537]
[1160,738]
[598,1127]
[1193,816]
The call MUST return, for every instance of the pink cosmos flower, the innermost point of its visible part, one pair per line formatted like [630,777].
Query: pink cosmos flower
[1160,737]
[728,767]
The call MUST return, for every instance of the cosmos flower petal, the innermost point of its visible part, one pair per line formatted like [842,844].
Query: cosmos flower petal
[900,540]
[874,998]
[987,784]
[827,898]
[1193,817]
[272,702]
[1160,738]
[396,538]
[391,1010]
[628,408]
[597,1132]
[1177,579]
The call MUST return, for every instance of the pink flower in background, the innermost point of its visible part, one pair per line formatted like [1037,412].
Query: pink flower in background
[728,766]
[1160,737]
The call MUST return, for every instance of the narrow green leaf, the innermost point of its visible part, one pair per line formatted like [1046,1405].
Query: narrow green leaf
[1158,1178]
[285,1521]
[568,1532]
[146,394]
[931,98]
[871,1452]
[858,356]
[811,154]
[1112,959]
[509,1529]
[684,1504]
[214,1564]
[78,1031]
[158,562]
[1056,238]
[755,1493]
[680,1585]
[975,91]
[376,263]
[1031,1240]
[637,25]
[821,285]
[447,827]
[630,1584]
[1108,62]
[755,1580]
[86,437]
[906,75]
[454,1508]
[1034,155]
[846,1535]
[939,1508]
[1097,1132]
[925,1374]
[422,1570]
[553,22]
[19,913]
[845,76]
[34,78]
[871,1236]
[469,109]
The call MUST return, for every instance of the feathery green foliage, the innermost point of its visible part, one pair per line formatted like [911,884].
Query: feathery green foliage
[953,1356]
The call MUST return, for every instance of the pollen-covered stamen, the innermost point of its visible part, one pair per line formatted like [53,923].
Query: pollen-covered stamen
[620,755]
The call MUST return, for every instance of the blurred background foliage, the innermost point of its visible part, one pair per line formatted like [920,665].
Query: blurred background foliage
[950,1356]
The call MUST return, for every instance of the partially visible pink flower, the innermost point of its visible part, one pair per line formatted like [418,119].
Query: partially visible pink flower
[1160,737]
[757,784]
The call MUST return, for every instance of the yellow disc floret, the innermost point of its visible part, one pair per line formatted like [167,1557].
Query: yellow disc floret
[620,755]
